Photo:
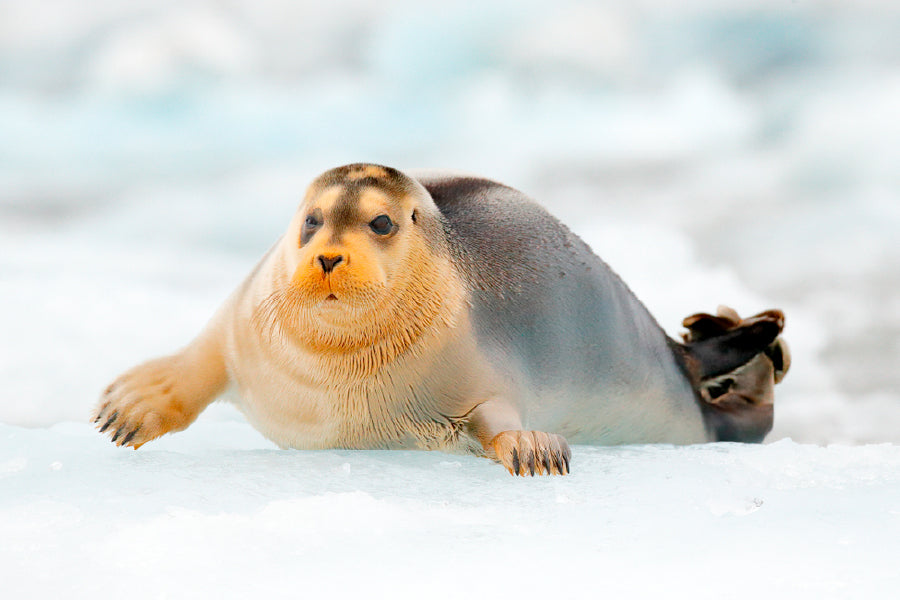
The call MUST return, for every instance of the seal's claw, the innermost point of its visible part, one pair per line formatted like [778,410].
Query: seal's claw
[544,462]
[100,412]
[130,436]
[110,421]
[529,452]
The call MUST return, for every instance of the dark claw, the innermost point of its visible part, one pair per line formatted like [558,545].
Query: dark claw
[566,458]
[516,463]
[109,422]
[531,464]
[119,432]
[129,437]
[558,463]
[101,411]
[546,462]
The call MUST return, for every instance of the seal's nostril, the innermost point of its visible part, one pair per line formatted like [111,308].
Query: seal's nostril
[329,262]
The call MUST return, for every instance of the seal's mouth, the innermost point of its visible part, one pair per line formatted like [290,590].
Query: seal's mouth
[330,297]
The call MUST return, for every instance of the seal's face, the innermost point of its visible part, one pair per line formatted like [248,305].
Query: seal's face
[363,270]
[350,243]
[354,242]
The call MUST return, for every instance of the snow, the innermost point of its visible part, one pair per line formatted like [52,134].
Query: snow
[150,152]
[218,511]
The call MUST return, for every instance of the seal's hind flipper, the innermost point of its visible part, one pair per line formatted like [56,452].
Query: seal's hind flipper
[780,356]
[734,365]
[722,343]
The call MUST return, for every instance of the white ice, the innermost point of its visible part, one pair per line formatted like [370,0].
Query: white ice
[218,512]
[151,151]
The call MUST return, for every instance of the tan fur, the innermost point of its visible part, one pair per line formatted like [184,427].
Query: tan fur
[161,396]
[348,359]
[348,335]
[367,171]
[326,198]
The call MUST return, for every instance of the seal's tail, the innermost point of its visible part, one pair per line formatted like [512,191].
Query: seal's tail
[734,364]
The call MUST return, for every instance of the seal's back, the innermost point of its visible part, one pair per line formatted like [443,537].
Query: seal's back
[585,356]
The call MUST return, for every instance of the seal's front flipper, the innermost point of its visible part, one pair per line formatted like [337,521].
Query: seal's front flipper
[497,425]
[532,452]
[734,365]
[161,395]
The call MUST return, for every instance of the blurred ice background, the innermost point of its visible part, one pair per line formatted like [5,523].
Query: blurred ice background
[743,153]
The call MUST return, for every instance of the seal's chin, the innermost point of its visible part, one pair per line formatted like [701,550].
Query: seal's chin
[338,302]
[332,304]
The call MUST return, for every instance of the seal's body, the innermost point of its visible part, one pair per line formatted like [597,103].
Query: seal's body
[581,355]
[445,312]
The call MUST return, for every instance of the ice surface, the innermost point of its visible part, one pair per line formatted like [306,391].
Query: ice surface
[151,151]
[218,512]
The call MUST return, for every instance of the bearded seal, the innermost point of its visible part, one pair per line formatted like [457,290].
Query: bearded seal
[449,312]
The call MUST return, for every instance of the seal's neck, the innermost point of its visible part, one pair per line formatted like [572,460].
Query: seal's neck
[421,307]
[409,322]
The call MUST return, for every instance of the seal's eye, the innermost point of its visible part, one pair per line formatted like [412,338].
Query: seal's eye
[310,225]
[382,224]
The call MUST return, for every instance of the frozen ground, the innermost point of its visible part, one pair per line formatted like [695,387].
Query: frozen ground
[218,512]
[151,151]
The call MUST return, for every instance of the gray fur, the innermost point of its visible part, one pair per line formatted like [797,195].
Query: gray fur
[581,355]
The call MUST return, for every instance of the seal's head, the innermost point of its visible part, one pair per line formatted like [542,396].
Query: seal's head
[363,253]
